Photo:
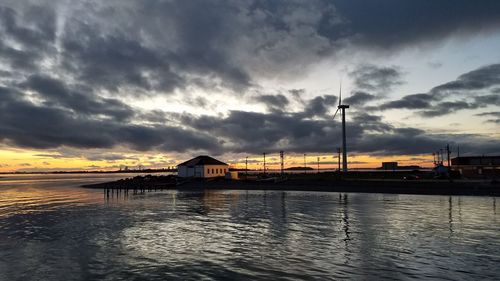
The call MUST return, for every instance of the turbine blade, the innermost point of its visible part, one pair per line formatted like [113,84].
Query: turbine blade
[335,113]
[340,93]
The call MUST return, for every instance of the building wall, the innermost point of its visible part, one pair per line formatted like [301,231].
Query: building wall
[209,171]
[212,171]
[477,171]
[182,171]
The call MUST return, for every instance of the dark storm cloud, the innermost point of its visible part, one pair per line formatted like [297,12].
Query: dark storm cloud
[176,41]
[488,100]
[274,102]
[469,88]
[297,92]
[371,123]
[359,98]
[494,116]
[444,108]
[42,126]
[34,30]
[479,79]
[433,108]
[399,142]
[36,27]
[297,95]
[28,125]
[80,99]
[259,132]
[416,101]
[390,24]
[114,61]
[168,45]
[376,78]
[115,48]
[320,105]
[254,133]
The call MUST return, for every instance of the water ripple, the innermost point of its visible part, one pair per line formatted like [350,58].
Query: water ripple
[67,233]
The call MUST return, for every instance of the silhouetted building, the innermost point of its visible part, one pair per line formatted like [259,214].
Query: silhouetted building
[202,167]
[477,165]
[441,170]
[389,165]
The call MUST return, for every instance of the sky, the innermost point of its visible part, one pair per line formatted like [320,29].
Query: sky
[99,85]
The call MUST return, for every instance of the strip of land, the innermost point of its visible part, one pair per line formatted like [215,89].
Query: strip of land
[324,184]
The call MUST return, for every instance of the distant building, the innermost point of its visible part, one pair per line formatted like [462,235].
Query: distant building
[477,165]
[233,175]
[202,167]
[441,170]
[389,165]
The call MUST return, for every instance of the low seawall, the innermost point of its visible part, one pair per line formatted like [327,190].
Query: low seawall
[364,186]
[429,187]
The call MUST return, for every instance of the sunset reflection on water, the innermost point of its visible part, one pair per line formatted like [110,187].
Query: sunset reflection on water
[54,230]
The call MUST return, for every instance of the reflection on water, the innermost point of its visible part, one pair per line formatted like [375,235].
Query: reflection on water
[25,193]
[54,231]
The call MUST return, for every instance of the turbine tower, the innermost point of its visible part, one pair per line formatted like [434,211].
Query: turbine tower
[342,108]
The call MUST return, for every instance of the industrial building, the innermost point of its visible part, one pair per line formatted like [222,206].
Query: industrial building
[477,166]
[202,167]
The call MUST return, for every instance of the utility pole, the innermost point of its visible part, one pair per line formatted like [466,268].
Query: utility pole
[282,157]
[318,165]
[338,152]
[448,154]
[264,163]
[305,171]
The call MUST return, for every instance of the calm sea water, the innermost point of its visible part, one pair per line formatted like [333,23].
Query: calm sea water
[52,230]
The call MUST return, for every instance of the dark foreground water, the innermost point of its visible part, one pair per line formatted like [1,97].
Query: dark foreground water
[52,230]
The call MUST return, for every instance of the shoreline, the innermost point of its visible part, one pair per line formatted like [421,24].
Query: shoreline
[419,187]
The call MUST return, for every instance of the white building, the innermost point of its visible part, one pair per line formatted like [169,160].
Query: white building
[202,167]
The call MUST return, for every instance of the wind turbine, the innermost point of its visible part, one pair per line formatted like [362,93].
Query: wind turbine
[342,108]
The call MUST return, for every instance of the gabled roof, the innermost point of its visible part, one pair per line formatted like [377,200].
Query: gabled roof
[202,160]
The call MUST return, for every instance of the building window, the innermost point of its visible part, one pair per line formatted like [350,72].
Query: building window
[208,171]
[212,171]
